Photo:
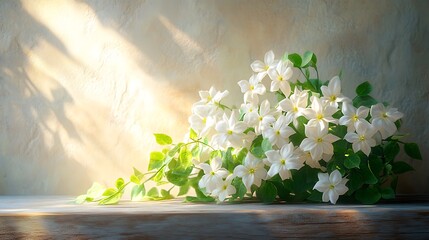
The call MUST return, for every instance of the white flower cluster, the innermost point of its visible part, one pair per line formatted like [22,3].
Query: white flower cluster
[223,127]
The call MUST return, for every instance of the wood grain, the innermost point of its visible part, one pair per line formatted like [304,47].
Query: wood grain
[57,218]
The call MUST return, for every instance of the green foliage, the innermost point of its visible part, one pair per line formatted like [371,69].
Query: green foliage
[364,89]
[413,150]
[295,59]
[369,195]
[163,139]
[156,160]
[267,192]
[352,161]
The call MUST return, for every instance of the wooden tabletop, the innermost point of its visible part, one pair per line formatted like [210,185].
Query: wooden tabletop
[57,217]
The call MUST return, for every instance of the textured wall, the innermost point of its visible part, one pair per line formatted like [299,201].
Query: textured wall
[84,84]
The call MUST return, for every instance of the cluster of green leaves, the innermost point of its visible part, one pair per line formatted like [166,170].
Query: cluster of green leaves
[371,178]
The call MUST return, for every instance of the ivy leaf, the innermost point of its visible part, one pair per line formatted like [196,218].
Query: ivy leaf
[366,101]
[307,59]
[134,179]
[295,59]
[119,183]
[266,145]
[267,192]
[364,89]
[137,190]
[391,150]
[239,187]
[163,139]
[183,190]
[401,167]
[352,161]
[256,147]
[153,193]
[412,150]
[156,160]
[174,150]
[387,193]
[369,195]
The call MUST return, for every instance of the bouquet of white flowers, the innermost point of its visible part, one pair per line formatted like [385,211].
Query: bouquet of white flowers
[311,144]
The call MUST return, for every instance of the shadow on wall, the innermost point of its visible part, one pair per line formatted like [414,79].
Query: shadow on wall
[32,156]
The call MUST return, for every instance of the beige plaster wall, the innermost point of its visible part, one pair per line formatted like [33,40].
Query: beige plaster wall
[84,84]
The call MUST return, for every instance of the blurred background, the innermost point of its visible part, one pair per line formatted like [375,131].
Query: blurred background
[84,84]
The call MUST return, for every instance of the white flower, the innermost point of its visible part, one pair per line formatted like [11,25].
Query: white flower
[352,116]
[332,93]
[252,172]
[250,112]
[229,131]
[211,96]
[320,114]
[318,141]
[294,105]
[263,118]
[252,89]
[262,67]
[306,157]
[202,156]
[224,189]
[202,120]
[363,139]
[332,186]
[280,76]
[214,173]
[384,118]
[283,161]
[278,134]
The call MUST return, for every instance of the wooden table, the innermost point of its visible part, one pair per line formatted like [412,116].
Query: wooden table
[56,217]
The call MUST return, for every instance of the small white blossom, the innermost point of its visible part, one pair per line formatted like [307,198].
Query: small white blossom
[294,105]
[225,189]
[252,89]
[320,114]
[352,116]
[262,67]
[211,96]
[283,160]
[278,134]
[363,138]
[306,157]
[264,117]
[202,120]
[280,76]
[214,173]
[230,131]
[318,142]
[252,172]
[332,93]
[331,185]
[384,118]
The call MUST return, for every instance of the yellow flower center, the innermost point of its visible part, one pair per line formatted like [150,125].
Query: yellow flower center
[224,187]
[209,98]
[331,186]
[252,87]
[212,173]
[384,115]
[229,132]
[283,161]
[361,138]
[204,120]
[251,171]
[277,132]
[319,140]
[355,118]
[333,98]
[266,67]
[280,78]
[319,116]
[295,109]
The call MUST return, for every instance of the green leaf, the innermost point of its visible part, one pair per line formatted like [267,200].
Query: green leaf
[174,150]
[227,159]
[367,174]
[315,196]
[369,195]
[183,190]
[256,148]
[355,181]
[364,89]
[241,155]
[109,192]
[138,191]
[199,199]
[137,173]
[192,134]
[179,176]
[112,199]
[240,189]
[352,161]
[119,183]
[156,160]
[401,167]
[81,199]
[185,157]
[306,58]
[134,179]
[267,193]
[387,193]
[95,191]
[163,139]
[376,164]
[295,59]
[366,101]
[153,192]
[412,150]
[266,145]
[391,150]
[165,195]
